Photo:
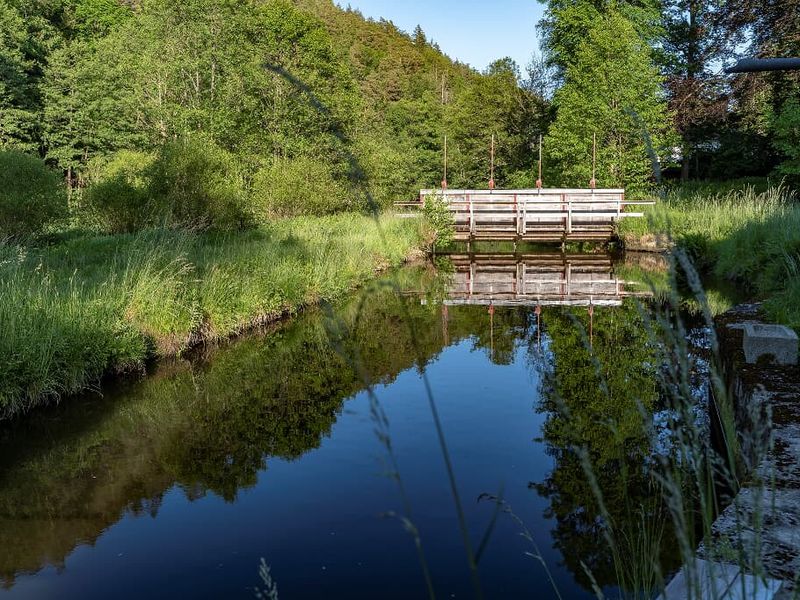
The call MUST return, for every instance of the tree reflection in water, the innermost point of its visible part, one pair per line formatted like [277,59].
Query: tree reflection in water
[211,424]
[599,399]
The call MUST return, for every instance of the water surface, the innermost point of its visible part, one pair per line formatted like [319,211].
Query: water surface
[290,444]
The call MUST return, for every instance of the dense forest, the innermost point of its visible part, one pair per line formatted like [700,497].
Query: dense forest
[271,108]
[219,113]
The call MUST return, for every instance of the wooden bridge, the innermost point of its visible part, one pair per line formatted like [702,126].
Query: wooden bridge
[534,215]
[544,279]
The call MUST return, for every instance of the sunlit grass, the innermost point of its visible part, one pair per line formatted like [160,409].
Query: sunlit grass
[89,305]
[748,236]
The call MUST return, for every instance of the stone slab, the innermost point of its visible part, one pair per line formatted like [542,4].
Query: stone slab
[765,339]
[719,581]
[762,525]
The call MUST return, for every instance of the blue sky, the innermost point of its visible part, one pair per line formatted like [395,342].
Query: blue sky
[473,31]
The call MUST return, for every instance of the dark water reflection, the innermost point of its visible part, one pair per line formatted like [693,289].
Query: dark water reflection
[179,484]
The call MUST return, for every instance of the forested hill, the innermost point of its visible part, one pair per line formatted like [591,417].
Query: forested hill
[285,92]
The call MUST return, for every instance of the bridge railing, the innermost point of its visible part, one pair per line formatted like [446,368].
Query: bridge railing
[580,213]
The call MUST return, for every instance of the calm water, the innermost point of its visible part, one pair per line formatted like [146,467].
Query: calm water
[177,485]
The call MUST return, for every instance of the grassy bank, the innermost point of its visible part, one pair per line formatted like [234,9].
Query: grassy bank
[744,233]
[90,305]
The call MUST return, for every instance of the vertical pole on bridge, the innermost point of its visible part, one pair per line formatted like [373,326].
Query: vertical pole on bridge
[592,181]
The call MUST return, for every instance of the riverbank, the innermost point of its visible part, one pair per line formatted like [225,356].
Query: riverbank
[744,234]
[91,305]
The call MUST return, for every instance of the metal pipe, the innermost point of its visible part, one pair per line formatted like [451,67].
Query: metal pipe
[754,65]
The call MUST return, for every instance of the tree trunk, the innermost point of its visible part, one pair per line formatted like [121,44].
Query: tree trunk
[685,166]
[68,178]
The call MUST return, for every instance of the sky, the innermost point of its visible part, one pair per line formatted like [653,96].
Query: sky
[475,32]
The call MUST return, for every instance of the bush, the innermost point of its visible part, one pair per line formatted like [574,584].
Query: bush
[300,186]
[32,196]
[190,183]
[119,200]
[439,222]
[199,186]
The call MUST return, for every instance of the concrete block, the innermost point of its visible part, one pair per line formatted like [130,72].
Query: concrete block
[777,340]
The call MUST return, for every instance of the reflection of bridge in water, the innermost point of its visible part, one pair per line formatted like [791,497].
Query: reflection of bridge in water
[544,279]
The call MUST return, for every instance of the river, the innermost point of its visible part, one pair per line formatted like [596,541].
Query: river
[313,445]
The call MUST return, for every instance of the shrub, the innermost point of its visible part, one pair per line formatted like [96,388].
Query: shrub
[32,196]
[118,199]
[198,185]
[439,222]
[299,186]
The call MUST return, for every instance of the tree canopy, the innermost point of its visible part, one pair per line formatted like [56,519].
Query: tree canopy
[612,92]
[305,95]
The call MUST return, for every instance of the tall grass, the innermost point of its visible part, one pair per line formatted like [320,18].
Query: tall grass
[90,305]
[742,234]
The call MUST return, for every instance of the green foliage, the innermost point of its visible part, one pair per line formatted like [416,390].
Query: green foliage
[18,100]
[303,185]
[742,234]
[494,104]
[190,183]
[118,199]
[88,113]
[567,22]
[786,126]
[32,196]
[611,90]
[76,310]
[439,221]
[197,185]
[96,18]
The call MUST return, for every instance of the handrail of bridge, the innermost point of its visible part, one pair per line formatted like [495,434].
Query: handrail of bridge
[520,205]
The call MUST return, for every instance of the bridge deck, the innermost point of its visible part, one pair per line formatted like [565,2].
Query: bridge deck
[535,215]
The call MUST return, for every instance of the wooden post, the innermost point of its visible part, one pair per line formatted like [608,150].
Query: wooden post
[471,276]
[471,217]
[569,278]
[524,215]
[569,214]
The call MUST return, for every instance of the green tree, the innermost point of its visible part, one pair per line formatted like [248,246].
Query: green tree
[494,104]
[611,90]
[787,139]
[18,97]
[567,23]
